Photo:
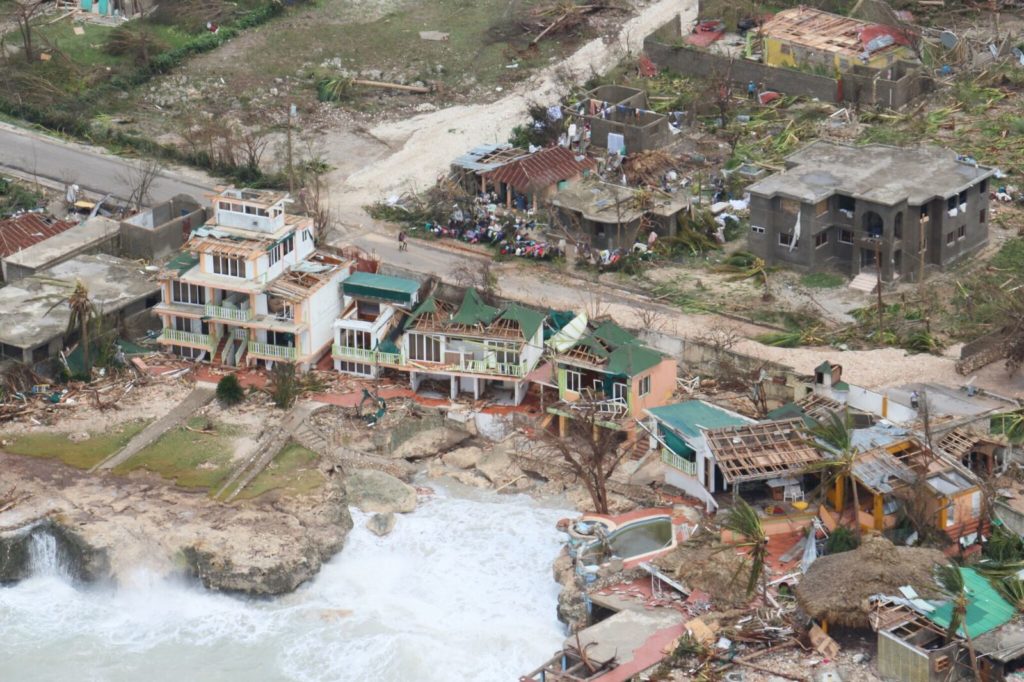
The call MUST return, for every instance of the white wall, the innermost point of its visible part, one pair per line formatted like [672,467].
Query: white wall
[323,308]
[533,350]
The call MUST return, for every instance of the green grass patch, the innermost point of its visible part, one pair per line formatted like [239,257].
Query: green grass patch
[1010,256]
[822,280]
[189,458]
[81,455]
[292,472]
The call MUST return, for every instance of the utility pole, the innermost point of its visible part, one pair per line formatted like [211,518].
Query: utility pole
[878,285]
[291,168]
[920,249]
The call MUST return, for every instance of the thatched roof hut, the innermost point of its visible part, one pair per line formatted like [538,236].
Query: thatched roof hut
[837,587]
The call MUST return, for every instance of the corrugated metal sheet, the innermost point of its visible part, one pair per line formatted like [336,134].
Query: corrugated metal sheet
[541,169]
[25,230]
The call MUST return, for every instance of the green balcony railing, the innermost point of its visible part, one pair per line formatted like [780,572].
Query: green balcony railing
[175,336]
[272,351]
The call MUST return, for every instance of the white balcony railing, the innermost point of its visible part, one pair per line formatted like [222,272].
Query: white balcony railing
[272,351]
[374,357]
[235,314]
[676,462]
[191,338]
[505,369]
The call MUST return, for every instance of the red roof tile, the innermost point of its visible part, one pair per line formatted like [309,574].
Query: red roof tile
[27,229]
[540,170]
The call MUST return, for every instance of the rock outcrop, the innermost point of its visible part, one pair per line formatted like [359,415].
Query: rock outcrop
[429,443]
[375,491]
[108,526]
[381,524]
[463,458]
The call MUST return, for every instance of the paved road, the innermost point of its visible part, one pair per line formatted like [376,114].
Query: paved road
[93,169]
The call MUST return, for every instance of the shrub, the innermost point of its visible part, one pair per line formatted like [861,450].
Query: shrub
[842,539]
[229,391]
[285,385]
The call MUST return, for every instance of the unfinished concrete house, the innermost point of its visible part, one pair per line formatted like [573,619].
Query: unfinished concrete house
[620,121]
[875,210]
[250,286]
[160,231]
[608,216]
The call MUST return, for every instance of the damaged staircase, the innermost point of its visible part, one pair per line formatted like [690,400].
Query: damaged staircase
[865,281]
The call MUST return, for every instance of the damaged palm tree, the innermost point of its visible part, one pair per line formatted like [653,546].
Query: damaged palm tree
[588,444]
[83,312]
[834,435]
[744,522]
[951,580]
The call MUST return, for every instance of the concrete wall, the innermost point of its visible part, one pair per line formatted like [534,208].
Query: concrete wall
[158,232]
[863,87]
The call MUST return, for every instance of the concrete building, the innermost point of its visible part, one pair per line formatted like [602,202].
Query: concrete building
[370,325]
[809,37]
[33,321]
[160,231]
[618,118]
[28,229]
[250,287]
[858,208]
[608,216]
[96,235]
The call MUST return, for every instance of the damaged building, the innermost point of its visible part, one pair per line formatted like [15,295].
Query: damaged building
[877,210]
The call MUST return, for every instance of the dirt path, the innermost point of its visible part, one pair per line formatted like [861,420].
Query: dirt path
[411,153]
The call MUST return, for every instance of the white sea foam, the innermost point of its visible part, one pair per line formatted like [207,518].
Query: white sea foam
[460,590]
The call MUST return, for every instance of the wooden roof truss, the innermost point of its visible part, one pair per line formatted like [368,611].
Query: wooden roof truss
[958,443]
[818,407]
[761,451]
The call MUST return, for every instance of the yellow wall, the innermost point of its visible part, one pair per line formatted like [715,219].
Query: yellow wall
[775,54]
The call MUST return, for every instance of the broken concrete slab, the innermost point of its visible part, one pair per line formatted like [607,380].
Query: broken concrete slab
[630,637]
[434,35]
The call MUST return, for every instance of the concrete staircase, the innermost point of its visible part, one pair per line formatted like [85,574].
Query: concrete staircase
[865,281]
[178,414]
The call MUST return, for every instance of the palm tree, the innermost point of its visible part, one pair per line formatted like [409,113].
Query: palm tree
[951,581]
[83,312]
[743,521]
[834,435]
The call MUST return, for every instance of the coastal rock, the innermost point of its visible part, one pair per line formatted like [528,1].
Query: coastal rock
[470,478]
[257,547]
[436,470]
[381,524]
[580,498]
[429,443]
[463,458]
[496,465]
[375,491]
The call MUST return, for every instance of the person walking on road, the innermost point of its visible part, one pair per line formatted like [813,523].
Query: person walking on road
[403,243]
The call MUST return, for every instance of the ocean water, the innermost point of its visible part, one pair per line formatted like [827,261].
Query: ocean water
[460,590]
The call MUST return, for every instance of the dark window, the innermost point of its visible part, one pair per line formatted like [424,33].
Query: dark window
[786,239]
[847,203]
[950,238]
[983,186]
[951,203]
[981,216]
[963,197]
[924,211]
[845,236]
[897,226]
[962,232]
[821,239]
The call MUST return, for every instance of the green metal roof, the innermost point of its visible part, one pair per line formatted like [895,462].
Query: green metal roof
[383,287]
[182,263]
[613,335]
[528,320]
[474,311]
[790,411]
[632,359]
[690,416]
[428,306]
[986,609]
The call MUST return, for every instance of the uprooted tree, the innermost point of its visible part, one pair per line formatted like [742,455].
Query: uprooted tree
[590,447]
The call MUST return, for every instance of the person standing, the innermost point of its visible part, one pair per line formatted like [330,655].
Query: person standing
[403,241]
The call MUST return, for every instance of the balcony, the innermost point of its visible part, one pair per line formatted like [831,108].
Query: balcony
[679,463]
[269,350]
[233,314]
[190,338]
[373,357]
[485,367]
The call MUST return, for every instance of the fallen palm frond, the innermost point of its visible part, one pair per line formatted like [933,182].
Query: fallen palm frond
[794,338]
